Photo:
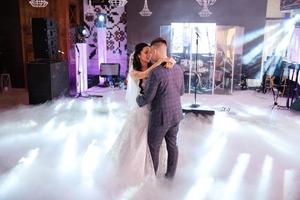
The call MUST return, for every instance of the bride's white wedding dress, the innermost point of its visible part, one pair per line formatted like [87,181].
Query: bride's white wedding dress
[130,152]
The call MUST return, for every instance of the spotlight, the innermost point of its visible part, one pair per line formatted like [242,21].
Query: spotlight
[84,32]
[81,34]
[100,21]
[101,18]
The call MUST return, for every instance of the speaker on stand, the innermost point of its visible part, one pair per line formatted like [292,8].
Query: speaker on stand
[44,38]
[48,78]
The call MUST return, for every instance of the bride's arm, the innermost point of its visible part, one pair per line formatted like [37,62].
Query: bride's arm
[144,74]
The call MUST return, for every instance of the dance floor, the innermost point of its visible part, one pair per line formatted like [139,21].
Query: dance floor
[245,151]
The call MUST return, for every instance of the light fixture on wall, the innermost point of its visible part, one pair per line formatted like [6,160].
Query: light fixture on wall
[145,12]
[117,3]
[205,12]
[38,3]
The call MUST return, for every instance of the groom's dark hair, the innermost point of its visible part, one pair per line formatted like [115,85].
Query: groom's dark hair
[159,40]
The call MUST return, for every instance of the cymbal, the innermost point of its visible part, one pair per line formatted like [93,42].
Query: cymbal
[207,55]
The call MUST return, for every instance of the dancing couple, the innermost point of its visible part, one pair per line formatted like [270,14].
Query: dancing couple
[155,84]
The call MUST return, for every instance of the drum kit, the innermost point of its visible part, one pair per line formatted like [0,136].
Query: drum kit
[203,73]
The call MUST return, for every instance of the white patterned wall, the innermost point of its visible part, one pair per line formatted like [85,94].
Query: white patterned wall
[116,37]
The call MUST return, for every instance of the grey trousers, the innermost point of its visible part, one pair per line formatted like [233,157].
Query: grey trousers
[156,134]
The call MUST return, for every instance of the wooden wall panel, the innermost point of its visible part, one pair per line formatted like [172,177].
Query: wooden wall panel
[58,10]
[11,60]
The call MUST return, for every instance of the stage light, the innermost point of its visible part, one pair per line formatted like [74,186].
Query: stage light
[84,32]
[81,34]
[100,21]
[101,18]
[256,34]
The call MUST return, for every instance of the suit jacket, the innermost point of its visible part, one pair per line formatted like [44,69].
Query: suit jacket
[162,91]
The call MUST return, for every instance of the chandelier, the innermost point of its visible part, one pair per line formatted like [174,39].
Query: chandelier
[145,12]
[89,15]
[38,3]
[205,12]
[117,3]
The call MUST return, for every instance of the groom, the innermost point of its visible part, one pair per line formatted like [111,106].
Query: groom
[163,90]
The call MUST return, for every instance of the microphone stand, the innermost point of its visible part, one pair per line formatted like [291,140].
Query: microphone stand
[195,105]
[194,108]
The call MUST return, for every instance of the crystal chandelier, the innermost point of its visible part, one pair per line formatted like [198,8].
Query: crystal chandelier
[145,12]
[38,3]
[205,12]
[117,3]
[89,15]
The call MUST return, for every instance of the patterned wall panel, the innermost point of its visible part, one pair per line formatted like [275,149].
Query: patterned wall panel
[116,36]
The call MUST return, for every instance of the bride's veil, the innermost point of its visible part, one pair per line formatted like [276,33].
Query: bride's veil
[132,86]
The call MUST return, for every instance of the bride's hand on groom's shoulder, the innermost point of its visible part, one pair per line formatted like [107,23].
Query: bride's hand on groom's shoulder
[170,62]
[160,61]
[167,62]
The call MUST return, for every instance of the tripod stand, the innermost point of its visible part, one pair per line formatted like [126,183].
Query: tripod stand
[265,83]
[276,92]
[278,84]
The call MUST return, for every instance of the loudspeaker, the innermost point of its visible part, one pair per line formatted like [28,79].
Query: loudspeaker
[44,38]
[47,80]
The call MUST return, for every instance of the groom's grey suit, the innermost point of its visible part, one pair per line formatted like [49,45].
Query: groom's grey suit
[163,90]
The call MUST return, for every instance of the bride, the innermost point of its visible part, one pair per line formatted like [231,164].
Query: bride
[130,152]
